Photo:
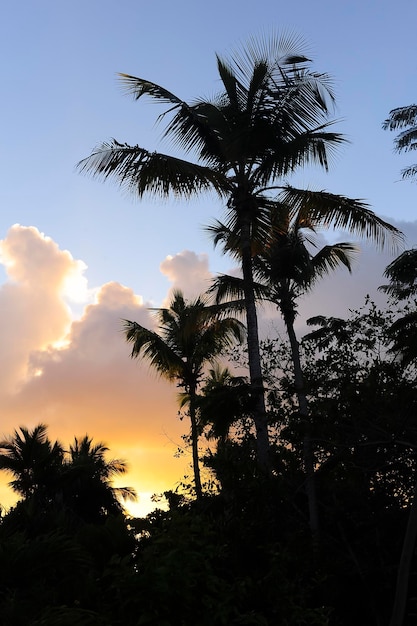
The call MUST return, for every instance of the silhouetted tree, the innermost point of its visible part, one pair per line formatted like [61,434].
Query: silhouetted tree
[190,335]
[34,461]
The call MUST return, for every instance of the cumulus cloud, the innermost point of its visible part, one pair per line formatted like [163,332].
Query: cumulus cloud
[188,272]
[76,375]
[33,311]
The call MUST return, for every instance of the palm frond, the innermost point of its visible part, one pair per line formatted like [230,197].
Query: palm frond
[406,141]
[154,349]
[330,257]
[285,156]
[401,117]
[330,328]
[280,52]
[335,211]
[199,128]
[230,83]
[402,273]
[410,171]
[404,117]
[138,87]
[155,173]
[229,234]
[125,493]
[403,335]
[229,291]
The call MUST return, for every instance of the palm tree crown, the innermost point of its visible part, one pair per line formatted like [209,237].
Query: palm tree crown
[87,481]
[402,273]
[78,481]
[33,460]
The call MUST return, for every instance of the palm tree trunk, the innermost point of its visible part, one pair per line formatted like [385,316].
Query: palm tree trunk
[254,357]
[308,454]
[194,446]
[403,575]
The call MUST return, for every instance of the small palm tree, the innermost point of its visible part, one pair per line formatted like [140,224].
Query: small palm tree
[87,481]
[224,399]
[48,477]
[404,119]
[190,335]
[34,462]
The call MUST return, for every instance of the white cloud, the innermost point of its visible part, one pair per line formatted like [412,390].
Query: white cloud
[188,272]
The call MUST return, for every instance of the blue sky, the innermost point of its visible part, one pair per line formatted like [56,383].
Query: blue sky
[60,98]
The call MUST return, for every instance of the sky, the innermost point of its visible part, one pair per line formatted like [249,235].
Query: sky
[77,255]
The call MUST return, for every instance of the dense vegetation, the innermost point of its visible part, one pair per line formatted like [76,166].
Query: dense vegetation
[242,553]
[301,510]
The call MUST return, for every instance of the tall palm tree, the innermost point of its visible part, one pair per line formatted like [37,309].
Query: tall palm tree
[404,119]
[402,273]
[270,118]
[190,335]
[287,268]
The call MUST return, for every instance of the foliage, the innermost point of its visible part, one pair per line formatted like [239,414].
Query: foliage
[243,556]
[405,120]
[65,547]
[402,274]
[78,480]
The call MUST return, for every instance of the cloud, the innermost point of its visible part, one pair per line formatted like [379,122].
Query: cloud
[76,375]
[33,312]
[188,272]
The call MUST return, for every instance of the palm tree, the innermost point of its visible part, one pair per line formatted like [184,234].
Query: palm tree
[87,481]
[190,335]
[225,399]
[402,273]
[48,477]
[286,269]
[34,462]
[270,118]
[404,119]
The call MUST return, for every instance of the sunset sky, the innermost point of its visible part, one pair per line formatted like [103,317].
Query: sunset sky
[77,255]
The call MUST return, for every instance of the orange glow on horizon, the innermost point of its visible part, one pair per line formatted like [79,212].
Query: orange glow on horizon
[75,375]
